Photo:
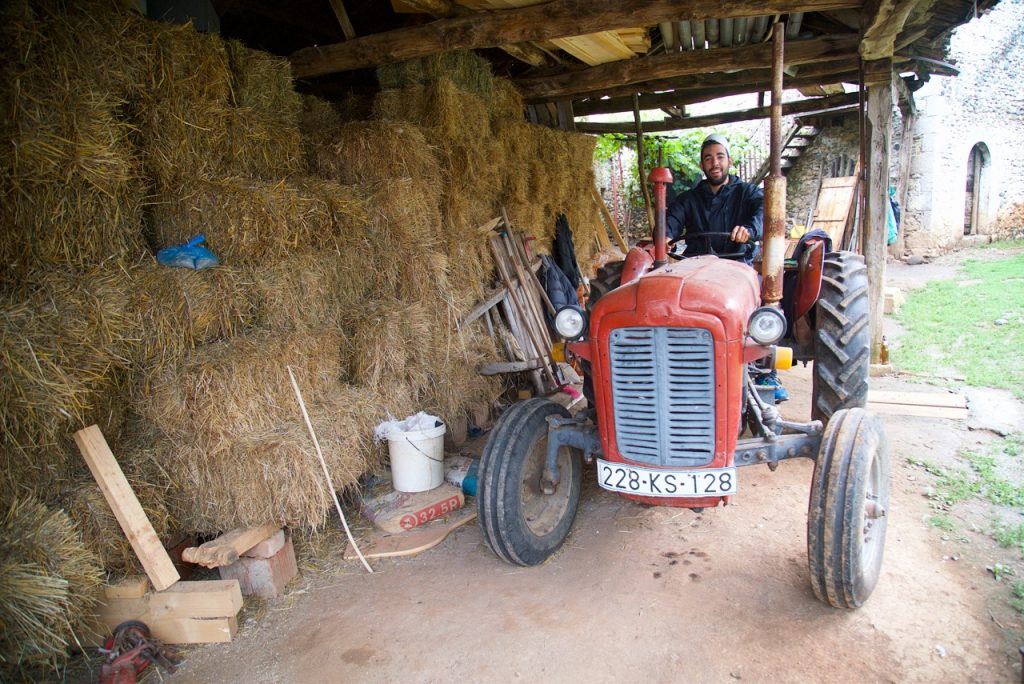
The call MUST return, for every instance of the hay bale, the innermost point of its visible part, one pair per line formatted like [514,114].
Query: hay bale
[235,443]
[184,106]
[48,582]
[66,344]
[258,146]
[69,179]
[180,309]
[506,103]
[99,529]
[318,119]
[467,70]
[441,107]
[249,222]
[372,151]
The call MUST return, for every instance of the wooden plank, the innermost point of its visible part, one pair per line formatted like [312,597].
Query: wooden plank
[677,64]
[193,630]
[609,220]
[346,25]
[200,599]
[832,208]
[118,493]
[920,411]
[946,399]
[499,367]
[555,19]
[225,549]
[128,588]
[410,543]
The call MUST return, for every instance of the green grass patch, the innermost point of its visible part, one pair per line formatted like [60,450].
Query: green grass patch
[1004,244]
[1009,536]
[952,326]
[1018,597]
[943,522]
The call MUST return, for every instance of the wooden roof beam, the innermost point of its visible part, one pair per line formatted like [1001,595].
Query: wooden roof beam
[555,19]
[884,25]
[673,65]
[687,96]
[835,103]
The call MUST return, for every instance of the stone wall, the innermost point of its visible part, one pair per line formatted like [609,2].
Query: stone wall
[839,137]
[983,105]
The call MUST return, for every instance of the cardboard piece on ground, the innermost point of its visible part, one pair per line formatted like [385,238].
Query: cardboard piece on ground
[225,549]
[920,411]
[118,493]
[395,512]
[128,588]
[378,545]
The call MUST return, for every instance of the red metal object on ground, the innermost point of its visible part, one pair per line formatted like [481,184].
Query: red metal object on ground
[130,650]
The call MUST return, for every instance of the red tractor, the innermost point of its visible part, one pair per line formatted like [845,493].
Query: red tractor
[670,355]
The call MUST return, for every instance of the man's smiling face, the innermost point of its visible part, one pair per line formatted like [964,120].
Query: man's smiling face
[715,162]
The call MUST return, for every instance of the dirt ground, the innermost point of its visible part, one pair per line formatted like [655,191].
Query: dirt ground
[654,594]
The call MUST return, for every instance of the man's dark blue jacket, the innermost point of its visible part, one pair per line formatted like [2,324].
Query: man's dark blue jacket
[701,211]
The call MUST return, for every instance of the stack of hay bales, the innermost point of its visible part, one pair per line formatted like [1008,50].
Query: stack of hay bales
[349,252]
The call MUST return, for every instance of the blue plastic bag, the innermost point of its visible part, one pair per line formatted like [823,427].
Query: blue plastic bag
[188,255]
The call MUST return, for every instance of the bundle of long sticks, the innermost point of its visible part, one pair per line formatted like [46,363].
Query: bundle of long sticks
[522,301]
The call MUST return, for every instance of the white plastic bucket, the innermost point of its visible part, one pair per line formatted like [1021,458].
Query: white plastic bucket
[417,458]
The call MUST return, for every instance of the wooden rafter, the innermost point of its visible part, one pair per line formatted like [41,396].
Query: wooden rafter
[885,25]
[688,96]
[673,65]
[338,7]
[812,106]
[555,19]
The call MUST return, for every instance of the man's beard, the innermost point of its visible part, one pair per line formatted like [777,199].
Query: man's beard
[721,180]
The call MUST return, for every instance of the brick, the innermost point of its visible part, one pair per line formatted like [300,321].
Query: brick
[264,577]
[268,547]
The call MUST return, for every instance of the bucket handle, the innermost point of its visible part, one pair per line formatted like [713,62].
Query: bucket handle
[438,460]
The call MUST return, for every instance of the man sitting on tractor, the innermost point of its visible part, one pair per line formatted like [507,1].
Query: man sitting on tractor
[722,215]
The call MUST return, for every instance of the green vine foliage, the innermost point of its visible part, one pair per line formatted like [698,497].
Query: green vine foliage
[679,153]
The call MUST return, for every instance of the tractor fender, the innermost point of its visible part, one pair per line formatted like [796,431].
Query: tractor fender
[638,262]
[808,282]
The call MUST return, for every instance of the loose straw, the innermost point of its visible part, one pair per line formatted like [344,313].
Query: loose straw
[323,464]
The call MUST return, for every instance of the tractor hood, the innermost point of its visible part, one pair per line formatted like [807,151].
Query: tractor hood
[695,288]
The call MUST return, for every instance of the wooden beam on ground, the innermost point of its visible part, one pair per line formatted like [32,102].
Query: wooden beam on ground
[555,19]
[877,139]
[346,26]
[816,105]
[885,25]
[225,549]
[203,599]
[118,493]
[673,65]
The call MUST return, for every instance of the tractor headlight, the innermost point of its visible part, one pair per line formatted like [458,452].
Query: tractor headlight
[571,322]
[766,326]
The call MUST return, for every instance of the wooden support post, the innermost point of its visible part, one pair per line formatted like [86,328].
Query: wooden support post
[877,130]
[346,25]
[642,174]
[126,507]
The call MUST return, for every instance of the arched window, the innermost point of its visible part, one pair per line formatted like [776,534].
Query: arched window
[978,162]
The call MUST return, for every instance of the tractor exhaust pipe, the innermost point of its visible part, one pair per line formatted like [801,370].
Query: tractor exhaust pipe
[660,177]
[774,255]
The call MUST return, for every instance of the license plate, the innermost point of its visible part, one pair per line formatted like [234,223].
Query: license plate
[619,477]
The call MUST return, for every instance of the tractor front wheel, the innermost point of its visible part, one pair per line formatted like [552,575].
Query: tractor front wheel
[521,523]
[846,517]
[842,340]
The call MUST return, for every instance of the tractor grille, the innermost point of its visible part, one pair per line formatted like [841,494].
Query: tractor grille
[663,386]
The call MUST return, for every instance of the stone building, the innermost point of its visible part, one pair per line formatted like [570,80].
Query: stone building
[966,160]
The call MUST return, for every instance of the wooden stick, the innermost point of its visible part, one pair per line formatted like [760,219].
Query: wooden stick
[327,474]
[527,288]
[531,274]
[225,549]
[608,219]
[520,313]
[126,507]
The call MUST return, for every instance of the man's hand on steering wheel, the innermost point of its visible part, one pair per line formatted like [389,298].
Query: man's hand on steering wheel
[740,234]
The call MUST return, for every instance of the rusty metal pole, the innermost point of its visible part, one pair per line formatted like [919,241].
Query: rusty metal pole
[661,178]
[774,250]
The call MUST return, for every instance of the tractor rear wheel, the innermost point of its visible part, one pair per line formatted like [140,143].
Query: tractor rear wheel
[607,279]
[521,524]
[842,339]
[846,516]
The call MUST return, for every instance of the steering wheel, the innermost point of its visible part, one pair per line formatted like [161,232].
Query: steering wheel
[711,250]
